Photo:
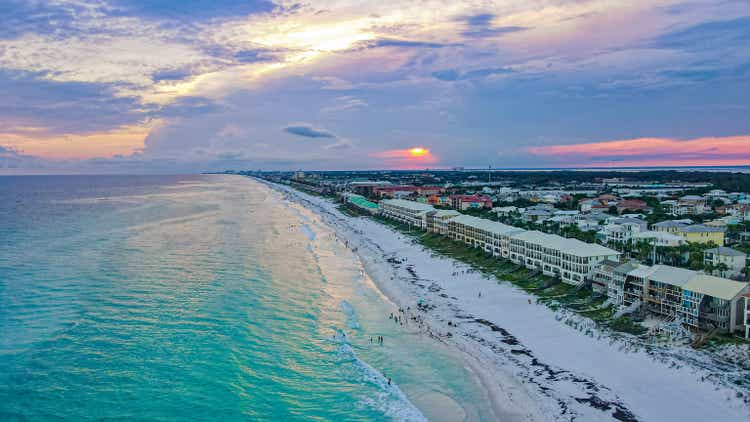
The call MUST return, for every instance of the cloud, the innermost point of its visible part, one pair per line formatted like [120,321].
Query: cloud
[450,75]
[10,158]
[480,26]
[731,150]
[708,35]
[391,42]
[61,107]
[308,131]
[190,10]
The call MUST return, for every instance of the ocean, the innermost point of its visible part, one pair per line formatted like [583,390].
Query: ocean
[201,297]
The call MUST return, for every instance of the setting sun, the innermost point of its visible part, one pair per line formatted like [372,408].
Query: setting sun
[418,151]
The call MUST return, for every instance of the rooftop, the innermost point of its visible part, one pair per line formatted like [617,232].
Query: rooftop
[411,205]
[671,275]
[723,250]
[486,225]
[700,228]
[670,223]
[566,245]
[723,288]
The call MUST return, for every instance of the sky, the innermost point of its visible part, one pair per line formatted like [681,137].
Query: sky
[173,86]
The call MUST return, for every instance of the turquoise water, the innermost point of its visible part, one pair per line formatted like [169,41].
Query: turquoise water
[201,298]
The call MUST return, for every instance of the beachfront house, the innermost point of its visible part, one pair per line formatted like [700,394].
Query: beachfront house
[700,301]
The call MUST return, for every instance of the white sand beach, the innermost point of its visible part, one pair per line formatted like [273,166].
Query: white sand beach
[533,362]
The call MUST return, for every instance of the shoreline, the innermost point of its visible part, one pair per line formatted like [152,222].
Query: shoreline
[508,399]
[546,369]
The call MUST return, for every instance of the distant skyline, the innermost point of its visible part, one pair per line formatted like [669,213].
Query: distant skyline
[137,86]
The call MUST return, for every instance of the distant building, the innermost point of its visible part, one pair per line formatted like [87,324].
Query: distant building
[631,205]
[505,211]
[621,230]
[465,202]
[687,205]
[366,187]
[663,239]
[669,226]
[699,233]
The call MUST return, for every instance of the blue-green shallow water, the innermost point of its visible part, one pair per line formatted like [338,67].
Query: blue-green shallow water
[198,298]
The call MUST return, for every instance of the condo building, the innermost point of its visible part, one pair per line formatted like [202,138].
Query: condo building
[408,212]
[570,259]
[491,236]
[700,301]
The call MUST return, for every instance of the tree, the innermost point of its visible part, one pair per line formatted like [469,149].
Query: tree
[722,268]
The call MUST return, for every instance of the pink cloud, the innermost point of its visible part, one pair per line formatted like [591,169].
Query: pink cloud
[710,151]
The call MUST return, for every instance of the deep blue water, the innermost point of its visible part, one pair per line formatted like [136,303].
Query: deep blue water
[196,298]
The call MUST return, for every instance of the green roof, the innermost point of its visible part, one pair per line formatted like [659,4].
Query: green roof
[363,203]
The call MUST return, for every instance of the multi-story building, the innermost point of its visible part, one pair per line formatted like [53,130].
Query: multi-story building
[696,233]
[465,202]
[687,205]
[700,301]
[437,221]
[663,239]
[699,233]
[746,297]
[603,276]
[570,259]
[734,261]
[621,230]
[491,236]
[408,212]
[670,226]
[360,202]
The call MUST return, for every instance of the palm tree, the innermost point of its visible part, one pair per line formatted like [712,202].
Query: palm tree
[722,268]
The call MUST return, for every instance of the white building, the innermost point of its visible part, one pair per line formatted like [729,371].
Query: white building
[505,211]
[408,212]
[491,236]
[621,229]
[570,259]
[734,260]
[437,221]
[687,205]
[659,238]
